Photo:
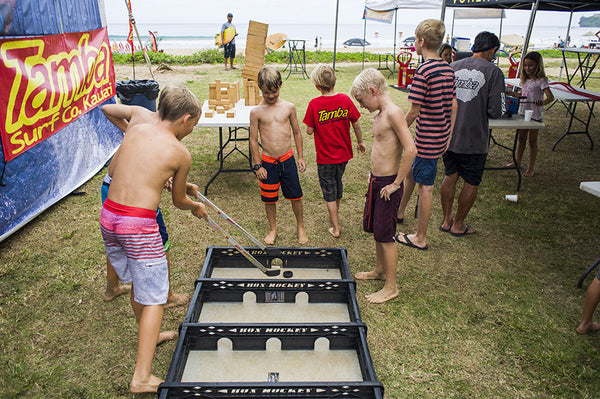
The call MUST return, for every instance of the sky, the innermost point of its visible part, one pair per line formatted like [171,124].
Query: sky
[284,11]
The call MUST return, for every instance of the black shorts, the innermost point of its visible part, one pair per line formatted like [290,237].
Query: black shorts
[330,179]
[468,166]
[229,50]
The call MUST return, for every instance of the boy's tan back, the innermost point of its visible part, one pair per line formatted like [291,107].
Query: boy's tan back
[149,155]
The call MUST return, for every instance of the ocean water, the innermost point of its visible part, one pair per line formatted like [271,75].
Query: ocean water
[379,35]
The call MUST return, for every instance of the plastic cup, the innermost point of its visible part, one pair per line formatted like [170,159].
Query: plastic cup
[512,198]
[528,114]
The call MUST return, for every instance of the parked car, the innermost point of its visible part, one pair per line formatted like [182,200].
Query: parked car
[356,42]
[409,41]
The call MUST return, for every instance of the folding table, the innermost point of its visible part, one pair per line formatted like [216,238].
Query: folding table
[238,130]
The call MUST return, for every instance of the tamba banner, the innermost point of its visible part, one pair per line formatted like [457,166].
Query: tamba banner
[48,82]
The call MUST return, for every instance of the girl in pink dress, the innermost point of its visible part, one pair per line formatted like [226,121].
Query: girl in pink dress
[535,93]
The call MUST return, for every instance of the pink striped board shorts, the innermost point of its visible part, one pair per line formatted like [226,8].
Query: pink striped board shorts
[135,249]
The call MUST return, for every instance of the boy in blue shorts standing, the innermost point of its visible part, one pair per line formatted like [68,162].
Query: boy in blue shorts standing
[272,119]
[433,105]
[329,117]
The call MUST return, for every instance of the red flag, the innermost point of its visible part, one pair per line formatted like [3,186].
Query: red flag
[130,36]
[153,40]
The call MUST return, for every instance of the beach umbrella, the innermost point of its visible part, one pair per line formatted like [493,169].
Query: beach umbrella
[589,33]
[513,40]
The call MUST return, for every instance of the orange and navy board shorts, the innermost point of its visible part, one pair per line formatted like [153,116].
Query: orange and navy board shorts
[281,171]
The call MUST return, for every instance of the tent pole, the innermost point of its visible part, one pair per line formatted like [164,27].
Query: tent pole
[364,40]
[337,8]
[562,62]
[534,8]
[452,31]
[500,35]
[395,32]
[443,14]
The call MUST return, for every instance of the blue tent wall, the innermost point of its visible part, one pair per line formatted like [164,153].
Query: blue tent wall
[49,171]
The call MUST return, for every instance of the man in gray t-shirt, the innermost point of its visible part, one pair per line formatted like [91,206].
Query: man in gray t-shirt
[480,94]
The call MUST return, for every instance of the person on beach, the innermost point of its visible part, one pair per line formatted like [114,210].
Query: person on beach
[272,119]
[389,168]
[329,117]
[148,157]
[592,297]
[433,106]
[125,117]
[446,52]
[480,95]
[228,48]
[535,93]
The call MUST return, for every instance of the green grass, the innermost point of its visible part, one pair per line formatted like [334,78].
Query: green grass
[490,315]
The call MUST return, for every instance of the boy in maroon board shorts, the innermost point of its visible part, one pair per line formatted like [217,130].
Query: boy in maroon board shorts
[433,105]
[389,167]
[329,117]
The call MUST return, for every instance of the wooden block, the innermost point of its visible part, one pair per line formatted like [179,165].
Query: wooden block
[236,89]
[212,102]
[255,59]
[212,107]
[257,26]
[208,114]
[220,110]
[231,114]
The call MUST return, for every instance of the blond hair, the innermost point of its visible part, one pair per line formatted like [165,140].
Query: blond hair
[368,78]
[175,102]
[323,76]
[269,78]
[432,30]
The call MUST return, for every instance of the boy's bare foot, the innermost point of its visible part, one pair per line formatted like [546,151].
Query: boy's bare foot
[381,296]
[176,300]
[302,237]
[112,293]
[528,173]
[270,238]
[586,328]
[165,336]
[145,386]
[334,233]
[372,275]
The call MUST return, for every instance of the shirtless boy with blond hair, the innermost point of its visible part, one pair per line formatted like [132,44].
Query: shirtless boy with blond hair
[389,167]
[148,156]
[272,119]
[125,117]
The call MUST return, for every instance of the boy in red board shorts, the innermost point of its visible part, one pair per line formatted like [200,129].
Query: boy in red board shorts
[148,156]
[433,105]
[389,167]
[272,119]
[329,117]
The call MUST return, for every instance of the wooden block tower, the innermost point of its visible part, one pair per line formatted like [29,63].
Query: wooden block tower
[255,60]
[222,97]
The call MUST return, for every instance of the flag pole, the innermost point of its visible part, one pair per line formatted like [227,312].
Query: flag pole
[139,39]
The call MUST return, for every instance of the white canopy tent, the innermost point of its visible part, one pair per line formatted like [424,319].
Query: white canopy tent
[391,5]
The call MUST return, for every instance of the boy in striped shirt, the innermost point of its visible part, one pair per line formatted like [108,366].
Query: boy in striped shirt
[433,105]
